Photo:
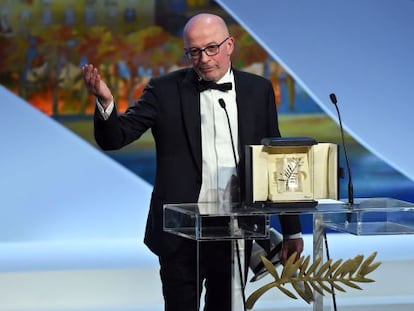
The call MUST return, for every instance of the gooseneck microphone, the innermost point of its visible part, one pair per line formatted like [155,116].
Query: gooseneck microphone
[235,182]
[243,286]
[223,105]
[348,166]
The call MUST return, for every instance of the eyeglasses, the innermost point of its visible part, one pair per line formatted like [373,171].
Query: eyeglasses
[210,50]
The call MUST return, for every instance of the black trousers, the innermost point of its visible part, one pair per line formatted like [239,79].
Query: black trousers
[182,286]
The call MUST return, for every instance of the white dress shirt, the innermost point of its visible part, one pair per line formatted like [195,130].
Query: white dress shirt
[217,153]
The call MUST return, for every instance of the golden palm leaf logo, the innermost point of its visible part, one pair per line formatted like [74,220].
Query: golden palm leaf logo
[305,278]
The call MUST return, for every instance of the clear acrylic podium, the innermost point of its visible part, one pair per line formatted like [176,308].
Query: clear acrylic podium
[367,216]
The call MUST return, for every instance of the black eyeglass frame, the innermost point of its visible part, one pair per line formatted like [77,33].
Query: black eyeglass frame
[195,53]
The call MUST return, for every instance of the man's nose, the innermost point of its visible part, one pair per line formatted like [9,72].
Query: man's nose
[204,57]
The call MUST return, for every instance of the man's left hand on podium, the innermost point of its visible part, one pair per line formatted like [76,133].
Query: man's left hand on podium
[290,246]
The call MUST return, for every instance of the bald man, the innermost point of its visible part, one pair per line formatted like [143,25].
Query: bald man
[194,156]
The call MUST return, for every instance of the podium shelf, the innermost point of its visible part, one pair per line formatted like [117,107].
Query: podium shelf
[373,216]
[219,221]
[214,221]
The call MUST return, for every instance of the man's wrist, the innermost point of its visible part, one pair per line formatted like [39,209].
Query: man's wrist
[293,236]
[105,111]
[105,103]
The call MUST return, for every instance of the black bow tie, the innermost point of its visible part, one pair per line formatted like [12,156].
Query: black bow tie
[210,85]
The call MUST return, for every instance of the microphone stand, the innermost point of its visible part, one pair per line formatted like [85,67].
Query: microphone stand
[348,166]
[334,101]
[223,105]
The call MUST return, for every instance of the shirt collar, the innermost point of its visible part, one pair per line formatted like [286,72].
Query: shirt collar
[228,77]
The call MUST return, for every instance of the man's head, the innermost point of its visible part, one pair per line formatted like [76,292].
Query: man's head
[204,36]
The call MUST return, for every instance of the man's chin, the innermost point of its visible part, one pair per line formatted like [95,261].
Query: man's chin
[207,75]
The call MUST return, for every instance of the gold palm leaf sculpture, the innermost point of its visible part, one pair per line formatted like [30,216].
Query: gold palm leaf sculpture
[319,277]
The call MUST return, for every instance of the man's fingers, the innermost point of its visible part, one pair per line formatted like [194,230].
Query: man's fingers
[91,78]
[95,85]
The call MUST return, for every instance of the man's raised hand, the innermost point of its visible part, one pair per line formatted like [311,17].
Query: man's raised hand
[96,86]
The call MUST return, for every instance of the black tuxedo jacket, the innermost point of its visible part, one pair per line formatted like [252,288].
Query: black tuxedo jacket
[170,106]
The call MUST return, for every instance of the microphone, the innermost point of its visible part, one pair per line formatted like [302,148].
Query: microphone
[223,105]
[348,166]
[236,184]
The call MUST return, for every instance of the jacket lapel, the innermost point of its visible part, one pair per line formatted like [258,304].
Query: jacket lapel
[245,116]
[190,101]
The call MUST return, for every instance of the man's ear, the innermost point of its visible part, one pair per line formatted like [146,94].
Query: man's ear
[230,46]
